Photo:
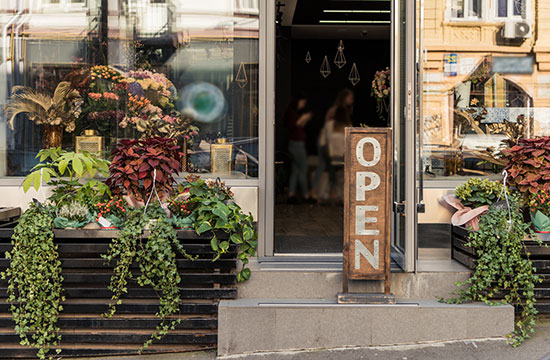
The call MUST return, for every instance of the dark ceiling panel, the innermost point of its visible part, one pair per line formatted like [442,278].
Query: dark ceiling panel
[313,12]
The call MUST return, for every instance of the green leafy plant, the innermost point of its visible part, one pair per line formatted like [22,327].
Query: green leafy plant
[123,249]
[138,163]
[478,192]
[64,170]
[501,269]
[529,165]
[157,264]
[35,281]
[214,210]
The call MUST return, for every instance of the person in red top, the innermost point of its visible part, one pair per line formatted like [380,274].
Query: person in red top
[296,117]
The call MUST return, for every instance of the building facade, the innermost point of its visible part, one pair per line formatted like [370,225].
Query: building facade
[482,66]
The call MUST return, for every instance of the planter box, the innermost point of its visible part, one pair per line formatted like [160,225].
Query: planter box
[539,255]
[86,277]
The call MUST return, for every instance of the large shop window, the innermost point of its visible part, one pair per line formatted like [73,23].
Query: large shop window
[183,69]
[485,85]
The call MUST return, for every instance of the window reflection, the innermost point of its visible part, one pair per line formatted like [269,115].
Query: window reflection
[194,63]
[485,85]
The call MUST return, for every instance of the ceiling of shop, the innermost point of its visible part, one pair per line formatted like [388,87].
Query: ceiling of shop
[337,18]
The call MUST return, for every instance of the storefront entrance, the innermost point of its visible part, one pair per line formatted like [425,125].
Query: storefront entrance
[327,57]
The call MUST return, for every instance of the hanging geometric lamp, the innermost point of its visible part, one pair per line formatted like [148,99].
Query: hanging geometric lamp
[241,79]
[340,59]
[354,77]
[308,57]
[325,67]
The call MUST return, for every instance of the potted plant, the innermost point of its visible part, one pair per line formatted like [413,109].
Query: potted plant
[71,175]
[472,199]
[181,212]
[110,214]
[73,215]
[539,210]
[56,112]
[529,165]
[140,167]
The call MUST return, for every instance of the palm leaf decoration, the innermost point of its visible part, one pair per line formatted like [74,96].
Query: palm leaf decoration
[42,108]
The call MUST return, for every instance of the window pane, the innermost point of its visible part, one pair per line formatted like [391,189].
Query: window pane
[502,8]
[475,8]
[457,9]
[519,8]
[181,69]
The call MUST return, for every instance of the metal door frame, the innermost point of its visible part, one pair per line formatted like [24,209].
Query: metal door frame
[267,131]
[407,258]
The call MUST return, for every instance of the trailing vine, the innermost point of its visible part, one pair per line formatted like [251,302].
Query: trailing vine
[157,264]
[123,248]
[159,269]
[502,270]
[34,281]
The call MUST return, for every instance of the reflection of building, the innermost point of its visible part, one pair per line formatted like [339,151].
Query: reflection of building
[190,41]
[490,54]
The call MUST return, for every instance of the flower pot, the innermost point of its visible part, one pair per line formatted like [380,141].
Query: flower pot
[53,136]
[541,222]
[543,235]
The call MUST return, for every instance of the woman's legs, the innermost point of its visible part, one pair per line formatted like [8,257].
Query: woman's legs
[298,171]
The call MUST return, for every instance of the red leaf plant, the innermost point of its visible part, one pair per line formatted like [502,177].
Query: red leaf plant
[134,164]
[529,165]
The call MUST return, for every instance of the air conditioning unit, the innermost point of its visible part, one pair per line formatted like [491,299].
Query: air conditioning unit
[516,30]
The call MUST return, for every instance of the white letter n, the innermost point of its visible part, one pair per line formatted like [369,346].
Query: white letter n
[361,249]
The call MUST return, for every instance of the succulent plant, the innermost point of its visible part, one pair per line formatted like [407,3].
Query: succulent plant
[74,211]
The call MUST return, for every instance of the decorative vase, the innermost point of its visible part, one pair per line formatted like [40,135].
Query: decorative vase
[53,136]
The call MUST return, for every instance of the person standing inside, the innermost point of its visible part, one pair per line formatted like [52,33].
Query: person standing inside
[296,117]
[344,102]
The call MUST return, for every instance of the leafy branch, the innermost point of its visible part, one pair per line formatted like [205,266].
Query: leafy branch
[34,281]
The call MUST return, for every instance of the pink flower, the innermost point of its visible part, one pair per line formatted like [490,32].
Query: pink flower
[168,119]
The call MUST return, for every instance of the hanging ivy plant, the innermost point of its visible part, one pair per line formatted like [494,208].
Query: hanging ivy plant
[157,263]
[501,269]
[158,267]
[34,281]
[123,249]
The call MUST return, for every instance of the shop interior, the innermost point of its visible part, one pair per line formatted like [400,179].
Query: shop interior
[327,55]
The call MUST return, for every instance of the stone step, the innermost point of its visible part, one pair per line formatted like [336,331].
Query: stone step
[290,324]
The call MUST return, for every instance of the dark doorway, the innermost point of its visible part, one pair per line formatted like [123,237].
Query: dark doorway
[325,50]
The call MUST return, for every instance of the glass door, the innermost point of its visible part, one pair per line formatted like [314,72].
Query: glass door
[404,133]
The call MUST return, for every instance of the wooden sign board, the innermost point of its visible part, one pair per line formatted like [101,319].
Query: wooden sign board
[367,205]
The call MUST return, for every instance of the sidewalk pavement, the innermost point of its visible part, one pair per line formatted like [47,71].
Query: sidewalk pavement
[536,348]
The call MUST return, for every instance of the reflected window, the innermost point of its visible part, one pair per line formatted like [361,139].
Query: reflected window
[512,8]
[466,9]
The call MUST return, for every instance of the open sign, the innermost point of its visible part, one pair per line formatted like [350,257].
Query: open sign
[367,204]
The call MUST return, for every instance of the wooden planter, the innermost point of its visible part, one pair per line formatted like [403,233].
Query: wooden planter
[86,277]
[539,255]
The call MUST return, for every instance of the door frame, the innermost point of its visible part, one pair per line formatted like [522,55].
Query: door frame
[405,259]
[267,84]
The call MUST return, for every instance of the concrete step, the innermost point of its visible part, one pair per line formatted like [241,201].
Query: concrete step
[253,325]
